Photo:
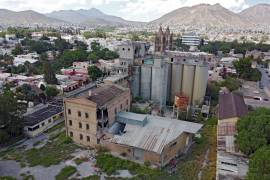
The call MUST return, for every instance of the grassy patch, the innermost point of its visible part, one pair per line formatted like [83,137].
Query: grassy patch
[7,178]
[93,177]
[56,127]
[79,161]
[110,164]
[66,172]
[12,154]
[191,165]
[37,143]
[56,150]
[53,153]
[27,177]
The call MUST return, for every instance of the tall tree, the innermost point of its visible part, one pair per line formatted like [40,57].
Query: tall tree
[10,116]
[259,165]
[94,72]
[51,92]
[253,131]
[17,50]
[49,74]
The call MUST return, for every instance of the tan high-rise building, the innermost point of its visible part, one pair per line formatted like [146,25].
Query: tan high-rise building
[87,117]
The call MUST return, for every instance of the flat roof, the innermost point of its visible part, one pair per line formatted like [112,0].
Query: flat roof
[155,134]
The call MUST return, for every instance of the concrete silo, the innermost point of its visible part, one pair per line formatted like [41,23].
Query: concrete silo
[176,80]
[146,82]
[188,80]
[159,84]
[200,84]
[135,84]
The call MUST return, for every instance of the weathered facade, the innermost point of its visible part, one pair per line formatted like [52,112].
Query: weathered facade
[163,40]
[149,138]
[87,117]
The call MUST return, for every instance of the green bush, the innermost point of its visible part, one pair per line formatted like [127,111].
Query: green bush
[7,178]
[54,152]
[110,164]
[253,131]
[65,173]
[259,165]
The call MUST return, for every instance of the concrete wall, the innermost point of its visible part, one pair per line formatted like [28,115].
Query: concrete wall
[135,83]
[176,80]
[187,82]
[146,82]
[126,52]
[159,84]
[175,147]
[170,151]
[200,84]
[120,103]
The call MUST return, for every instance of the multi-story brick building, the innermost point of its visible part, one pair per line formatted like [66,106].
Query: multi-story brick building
[87,117]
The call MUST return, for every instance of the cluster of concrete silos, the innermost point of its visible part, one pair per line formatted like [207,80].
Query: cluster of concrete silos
[190,78]
[149,81]
[165,77]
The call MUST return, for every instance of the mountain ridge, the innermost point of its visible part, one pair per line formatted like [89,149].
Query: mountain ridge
[202,15]
[89,16]
[198,15]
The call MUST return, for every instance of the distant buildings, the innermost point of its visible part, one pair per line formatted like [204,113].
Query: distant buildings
[191,39]
[21,59]
[231,164]
[78,68]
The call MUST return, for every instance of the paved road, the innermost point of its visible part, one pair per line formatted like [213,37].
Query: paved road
[264,79]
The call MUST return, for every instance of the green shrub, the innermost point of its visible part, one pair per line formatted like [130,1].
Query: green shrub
[110,165]
[7,178]
[66,172]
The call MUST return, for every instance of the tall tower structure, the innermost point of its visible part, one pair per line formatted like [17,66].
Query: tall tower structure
[163,40]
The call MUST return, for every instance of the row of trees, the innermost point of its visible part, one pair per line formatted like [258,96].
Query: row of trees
[43,46]
[69,56]
[253,139]
[94,34]
[225,47]
[98,52]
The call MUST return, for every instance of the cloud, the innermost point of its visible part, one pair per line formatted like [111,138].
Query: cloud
[139,10]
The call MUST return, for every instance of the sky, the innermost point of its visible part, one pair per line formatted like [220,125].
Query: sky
[136,10]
